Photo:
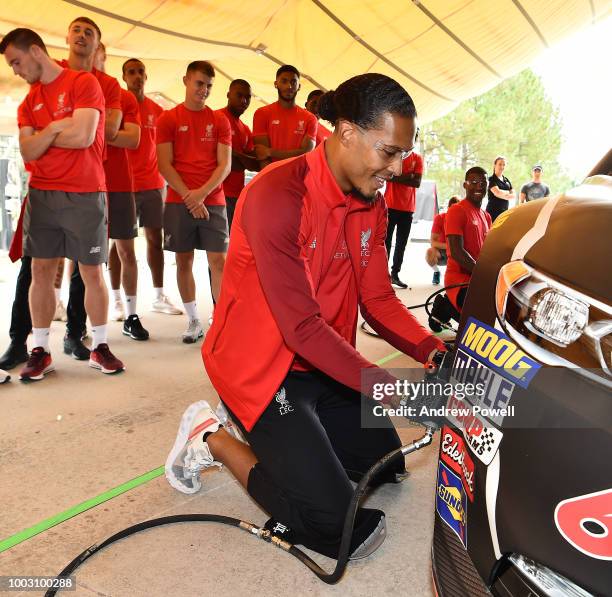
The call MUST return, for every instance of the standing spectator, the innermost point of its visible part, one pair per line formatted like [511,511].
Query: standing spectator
[436,254]
[400,196]
[282,129]
[243,157]
[148,182]
[312,105]
[535,189]
[500,189]
[61,130]
[466,227]
[194,155]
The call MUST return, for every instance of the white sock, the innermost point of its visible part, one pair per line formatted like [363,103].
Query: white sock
[436,268]
[130,305]
[99,335]
[41,338]
[159,292]
[191,310]
[117,294]
[58,292]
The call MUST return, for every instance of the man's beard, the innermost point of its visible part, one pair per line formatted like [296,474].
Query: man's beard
[287,99]
[367,199]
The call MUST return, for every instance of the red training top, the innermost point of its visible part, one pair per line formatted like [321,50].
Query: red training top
[119,177]
[143,159]
[291,287]
[194,135]
[322,133]
[438,227]
[58,169]
[472,223]
[284,127]
[400,196]
[242,142]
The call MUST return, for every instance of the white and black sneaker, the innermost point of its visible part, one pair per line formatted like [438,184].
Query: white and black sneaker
[190,453]
[133,328]
[193,332]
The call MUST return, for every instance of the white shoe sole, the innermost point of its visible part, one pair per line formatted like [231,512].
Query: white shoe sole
[167,310]
[95,365]
[179,443]
[38,377]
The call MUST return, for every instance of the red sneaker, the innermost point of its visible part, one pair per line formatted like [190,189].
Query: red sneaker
[38,365]
[102,358]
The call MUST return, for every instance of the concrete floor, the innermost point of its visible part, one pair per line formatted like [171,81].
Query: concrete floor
[115,428]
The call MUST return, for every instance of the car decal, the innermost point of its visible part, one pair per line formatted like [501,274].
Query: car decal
[491,488]
[455,454]
[496,351]
[537,231]
[482,437]
[492,391]
[451,502]
[585,522]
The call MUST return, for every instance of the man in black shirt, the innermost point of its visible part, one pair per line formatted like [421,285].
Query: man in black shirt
[500,189]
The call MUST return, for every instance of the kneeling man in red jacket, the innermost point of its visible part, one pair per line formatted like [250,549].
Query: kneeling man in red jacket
[307,251]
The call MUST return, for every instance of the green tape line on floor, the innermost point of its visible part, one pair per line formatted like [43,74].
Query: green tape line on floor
[45,525]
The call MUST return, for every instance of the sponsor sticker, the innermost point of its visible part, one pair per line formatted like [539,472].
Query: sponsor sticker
[451,502]
[454,453]
[494,391]
[496,351]
[585,522]
[482,438]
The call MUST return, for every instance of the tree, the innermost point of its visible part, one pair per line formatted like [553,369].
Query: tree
[515,119]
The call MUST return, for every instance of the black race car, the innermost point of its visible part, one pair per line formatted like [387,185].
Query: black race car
[524,480]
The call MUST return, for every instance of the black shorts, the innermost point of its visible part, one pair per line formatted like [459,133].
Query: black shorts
[122,215]
[310,444]
[443,257]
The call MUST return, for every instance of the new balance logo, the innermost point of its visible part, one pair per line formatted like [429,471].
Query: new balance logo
[183,128]
[275,122]
[313,244]
[167,238]
[94,250]
[38,107]
[281,398]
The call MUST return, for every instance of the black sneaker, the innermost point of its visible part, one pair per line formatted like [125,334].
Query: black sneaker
[75,348]
[15,354]
[133,328]
[395,281]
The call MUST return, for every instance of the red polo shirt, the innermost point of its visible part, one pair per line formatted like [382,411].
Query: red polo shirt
[59,169]
[284,127]
[401,196]
[322,133]
[117,167]
[143,159]
[472,223]
[242,142]
[194,135]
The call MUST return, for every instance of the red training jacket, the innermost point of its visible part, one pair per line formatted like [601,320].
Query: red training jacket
[284,235]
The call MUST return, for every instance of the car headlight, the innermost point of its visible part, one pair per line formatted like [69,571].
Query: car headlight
[546,580]
[556,324]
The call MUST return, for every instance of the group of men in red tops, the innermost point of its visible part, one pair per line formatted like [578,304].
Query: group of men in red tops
[199,153]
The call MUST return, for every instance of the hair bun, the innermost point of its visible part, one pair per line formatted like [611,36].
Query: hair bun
[327,109]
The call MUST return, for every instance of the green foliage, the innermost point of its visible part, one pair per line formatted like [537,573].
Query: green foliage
[515,119]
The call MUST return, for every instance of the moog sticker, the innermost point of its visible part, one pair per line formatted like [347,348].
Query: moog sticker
[585,522]
[495,350]
[451,502]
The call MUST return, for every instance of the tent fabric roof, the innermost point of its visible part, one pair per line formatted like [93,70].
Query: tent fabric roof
[442,51]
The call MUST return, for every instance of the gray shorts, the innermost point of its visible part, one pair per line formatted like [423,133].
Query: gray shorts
[61,224]
[122,216]
[150,208]
[183,232]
